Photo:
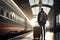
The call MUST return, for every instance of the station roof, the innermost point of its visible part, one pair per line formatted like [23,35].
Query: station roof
[31,8]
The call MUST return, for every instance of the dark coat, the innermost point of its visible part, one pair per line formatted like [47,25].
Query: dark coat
[39,21]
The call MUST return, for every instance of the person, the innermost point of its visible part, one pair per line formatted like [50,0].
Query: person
[42,18]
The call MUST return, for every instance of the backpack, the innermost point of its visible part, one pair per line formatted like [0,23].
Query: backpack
[43,17]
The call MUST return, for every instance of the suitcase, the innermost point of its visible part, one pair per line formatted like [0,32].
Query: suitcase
[36,32]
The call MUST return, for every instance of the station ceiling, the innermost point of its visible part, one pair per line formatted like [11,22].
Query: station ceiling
[31,8]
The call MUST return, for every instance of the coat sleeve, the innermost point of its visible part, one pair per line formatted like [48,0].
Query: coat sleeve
[46,17]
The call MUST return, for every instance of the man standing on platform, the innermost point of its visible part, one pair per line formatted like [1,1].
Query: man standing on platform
[42,18]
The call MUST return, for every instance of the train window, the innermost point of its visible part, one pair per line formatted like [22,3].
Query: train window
[10,16]
[1,12]
[7,15]
[14,17]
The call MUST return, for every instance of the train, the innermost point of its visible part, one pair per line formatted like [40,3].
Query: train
[12,22]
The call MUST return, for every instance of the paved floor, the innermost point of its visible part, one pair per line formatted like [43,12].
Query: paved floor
[29,36]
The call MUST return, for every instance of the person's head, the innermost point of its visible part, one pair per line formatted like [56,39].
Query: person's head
[41,9]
